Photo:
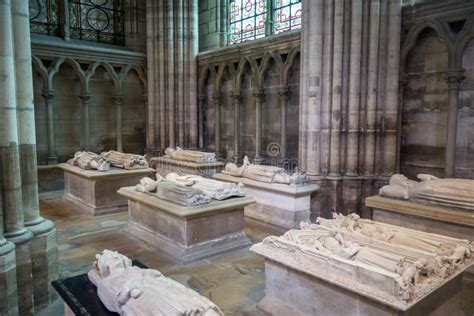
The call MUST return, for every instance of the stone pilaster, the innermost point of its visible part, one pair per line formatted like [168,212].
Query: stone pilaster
[259,99]
[85,98]
[454,77]
[237,102]
[48,96]
[284,98]
[217,100]
[118,100]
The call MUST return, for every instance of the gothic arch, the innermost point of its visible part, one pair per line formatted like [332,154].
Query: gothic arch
[54,68]
[265,66]
[412,37]
[140,73]
[109,69]
[287,67]
[41,70]
[461,41]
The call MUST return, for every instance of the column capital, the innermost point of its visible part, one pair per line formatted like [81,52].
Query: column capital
[118,97]
[48,94]
[258,94]
[85,96]
[201,97]
[216,97]
[454,77]
[236,95]
[284,93]
[403,79]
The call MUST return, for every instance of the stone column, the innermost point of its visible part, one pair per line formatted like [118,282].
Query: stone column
[13,144]
[237,101]
[151,139]
[402,83]
[43,257]
[284,98]
[48,96]
[312,36]
[10,194]
[454,77]
[217,99]
[201,100]
[85,97]
[118,99]
[259,99]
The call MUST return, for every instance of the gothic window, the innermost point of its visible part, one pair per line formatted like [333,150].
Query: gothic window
[44,16]
[97,20]
[286,15]
[247,20]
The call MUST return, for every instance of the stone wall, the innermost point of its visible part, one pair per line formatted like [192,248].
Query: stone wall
[437,71]
[212,24]
[236,78]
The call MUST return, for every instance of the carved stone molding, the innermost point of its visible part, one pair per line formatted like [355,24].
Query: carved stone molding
[454,77]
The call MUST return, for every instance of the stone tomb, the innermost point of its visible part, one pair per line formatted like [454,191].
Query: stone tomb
[184,233]
[164,166]
[276,204]
[309,276]
[96,191]
[431,218]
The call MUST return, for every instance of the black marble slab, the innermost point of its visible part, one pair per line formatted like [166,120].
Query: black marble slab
[81,295]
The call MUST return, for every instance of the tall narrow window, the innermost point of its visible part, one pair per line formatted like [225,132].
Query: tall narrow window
[286,15]
[247,20]
[98,20]
[44,17]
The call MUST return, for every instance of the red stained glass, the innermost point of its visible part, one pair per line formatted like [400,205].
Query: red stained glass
[247,20]
[286,15]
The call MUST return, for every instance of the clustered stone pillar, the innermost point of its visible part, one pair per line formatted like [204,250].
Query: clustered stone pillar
[172,91]
[237,101]
[35,254]
[259,99]
[454,77]
[349,98]
[201,100]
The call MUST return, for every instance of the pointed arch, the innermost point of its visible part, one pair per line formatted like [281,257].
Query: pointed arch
[287,67]
[109,69]
[56,65]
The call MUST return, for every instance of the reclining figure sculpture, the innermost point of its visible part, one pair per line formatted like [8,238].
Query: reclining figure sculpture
[268,174]
[89,161]
[217,190]
[125,161]
[448,192]
[189,155]
[173,192]
[130,290]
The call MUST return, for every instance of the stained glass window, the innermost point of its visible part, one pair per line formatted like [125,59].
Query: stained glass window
[286,15]
[44,16]
[98,20]
[247,20]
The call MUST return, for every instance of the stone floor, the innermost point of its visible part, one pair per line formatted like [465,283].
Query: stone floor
[235,281]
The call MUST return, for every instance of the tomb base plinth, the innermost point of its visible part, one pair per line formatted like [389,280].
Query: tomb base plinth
[186,234]
[96,191]
[297,283]
[276,204]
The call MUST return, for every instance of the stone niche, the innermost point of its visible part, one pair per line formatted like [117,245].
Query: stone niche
[351,266]
[186,234]
[96,191]
[276,204]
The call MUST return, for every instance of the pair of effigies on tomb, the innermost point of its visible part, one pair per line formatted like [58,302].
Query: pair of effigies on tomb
[192,190]
[415,262]
[91,161]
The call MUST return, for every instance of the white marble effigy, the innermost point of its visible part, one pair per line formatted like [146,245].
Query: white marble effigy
[186,233]
[96,191]
[352,266]
[130,290]
[277,204]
